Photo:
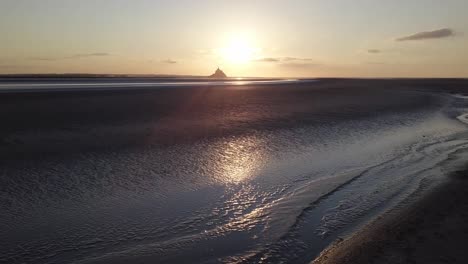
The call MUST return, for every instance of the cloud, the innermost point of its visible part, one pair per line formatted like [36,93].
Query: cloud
[75,56]
[298,65]
[290,62]
[42,59]
[373,51]
[281,59]
[268,60]
[169,61]
[435,34]
[296,59]
[87,55]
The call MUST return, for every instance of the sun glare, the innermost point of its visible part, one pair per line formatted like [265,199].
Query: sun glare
[239,50]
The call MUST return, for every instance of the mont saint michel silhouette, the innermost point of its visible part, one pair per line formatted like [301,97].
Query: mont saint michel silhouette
[218,74]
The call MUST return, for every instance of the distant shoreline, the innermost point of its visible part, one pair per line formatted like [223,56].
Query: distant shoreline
[90,75]
[171,76]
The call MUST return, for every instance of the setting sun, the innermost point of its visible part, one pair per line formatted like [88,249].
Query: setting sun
[239,50]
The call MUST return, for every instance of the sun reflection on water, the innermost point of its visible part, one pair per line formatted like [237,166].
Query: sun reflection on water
[236,159]
[235,162]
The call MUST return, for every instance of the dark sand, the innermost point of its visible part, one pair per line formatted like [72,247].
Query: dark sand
[433,229]
[64,122]
[65,194]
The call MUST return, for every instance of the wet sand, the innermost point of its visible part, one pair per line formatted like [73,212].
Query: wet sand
[210,174]
[433,229]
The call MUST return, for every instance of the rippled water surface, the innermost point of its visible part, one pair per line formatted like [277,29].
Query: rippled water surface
[236,174]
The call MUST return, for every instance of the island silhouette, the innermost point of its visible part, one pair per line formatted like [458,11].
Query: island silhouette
[218,74]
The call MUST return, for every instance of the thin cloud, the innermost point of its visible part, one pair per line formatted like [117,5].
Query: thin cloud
[282,59]
[435,34]
[300,65]
[296,59]
[373,51]
[75,56]
[268,60]
[169,61]
[290,62]
[87,55]
[43,59]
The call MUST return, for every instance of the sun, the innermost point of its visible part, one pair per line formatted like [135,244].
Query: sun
[238,51]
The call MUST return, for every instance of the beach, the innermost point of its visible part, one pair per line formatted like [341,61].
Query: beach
[432,229]
[142,170]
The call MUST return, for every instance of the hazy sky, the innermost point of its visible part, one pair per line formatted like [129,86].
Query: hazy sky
[358,38]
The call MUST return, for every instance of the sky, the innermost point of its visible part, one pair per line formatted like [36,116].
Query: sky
[264,38]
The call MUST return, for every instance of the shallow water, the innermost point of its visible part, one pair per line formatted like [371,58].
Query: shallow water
[128,83]
[257,176]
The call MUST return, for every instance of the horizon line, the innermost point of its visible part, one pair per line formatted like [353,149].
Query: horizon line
[155,75]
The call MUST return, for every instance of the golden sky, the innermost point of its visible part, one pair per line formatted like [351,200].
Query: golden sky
[298,38]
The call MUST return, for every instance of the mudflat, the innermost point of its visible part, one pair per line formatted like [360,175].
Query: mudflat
[431,230]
